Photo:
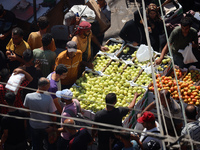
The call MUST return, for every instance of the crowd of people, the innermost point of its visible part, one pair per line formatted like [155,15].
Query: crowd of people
[52,62]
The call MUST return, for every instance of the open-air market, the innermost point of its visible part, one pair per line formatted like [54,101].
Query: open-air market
[99,75]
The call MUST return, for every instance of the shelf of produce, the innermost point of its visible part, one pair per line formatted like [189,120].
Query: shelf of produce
[127,53]
[101,61]
[193,76]
[165,66]
[180,73]
[131,72]
[91,90]
[143,79]
[114,46]
[114,67]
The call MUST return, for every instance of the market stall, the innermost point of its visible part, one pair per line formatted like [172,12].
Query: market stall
[121,71]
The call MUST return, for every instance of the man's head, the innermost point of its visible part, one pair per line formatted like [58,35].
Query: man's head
[152,11]
[124,135]
[28,55]
[17,35]
[68,125]
[70,18]
[163,94]
[147,119]
[43,84]
[71,48]
[111,98]
[43,22]
[46,39]
[4,75]
[191,111]
[186,23]
[10,98]
[84,29]
[1,10]
[101,2]
[65,95]
[61,71]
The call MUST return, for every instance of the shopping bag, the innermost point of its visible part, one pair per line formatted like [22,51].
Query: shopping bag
[143,53]
[188,56]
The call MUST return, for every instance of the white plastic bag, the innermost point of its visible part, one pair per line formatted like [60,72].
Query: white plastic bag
[143,53]
[14,82]
[188,56]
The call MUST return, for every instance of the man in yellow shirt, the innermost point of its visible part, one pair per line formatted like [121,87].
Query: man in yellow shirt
[35,38]
[15,48]
[71,58]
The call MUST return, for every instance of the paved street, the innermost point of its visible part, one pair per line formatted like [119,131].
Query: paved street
[119,15]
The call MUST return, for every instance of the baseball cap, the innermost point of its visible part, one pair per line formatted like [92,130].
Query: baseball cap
[146,117]
[69,16]
[151,145]
[71,46]
[65,94]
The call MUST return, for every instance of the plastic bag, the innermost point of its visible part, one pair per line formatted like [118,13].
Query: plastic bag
[143,53]
[188,56]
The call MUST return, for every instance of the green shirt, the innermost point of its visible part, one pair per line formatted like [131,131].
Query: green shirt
[178,41]
[47,60]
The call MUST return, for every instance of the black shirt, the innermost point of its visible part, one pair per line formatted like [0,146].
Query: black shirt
[113,117]
[15,127]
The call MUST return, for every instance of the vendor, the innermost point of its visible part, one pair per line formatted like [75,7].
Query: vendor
[83,38]
[180,37]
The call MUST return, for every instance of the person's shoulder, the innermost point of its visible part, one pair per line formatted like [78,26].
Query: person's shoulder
[62,54]
[79,52]
[10,14]
[193,30]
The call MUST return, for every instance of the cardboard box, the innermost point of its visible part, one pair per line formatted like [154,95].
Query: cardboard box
[101,18]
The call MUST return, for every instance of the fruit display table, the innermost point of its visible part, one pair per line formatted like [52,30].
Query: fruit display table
[126,76]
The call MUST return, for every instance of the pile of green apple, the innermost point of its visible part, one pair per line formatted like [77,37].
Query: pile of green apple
[92,90]
[100,62]
[115,67]
[144,79]
[113,48]
[131,72]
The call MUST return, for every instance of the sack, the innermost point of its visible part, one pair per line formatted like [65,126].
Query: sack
[143,53]
[188,56]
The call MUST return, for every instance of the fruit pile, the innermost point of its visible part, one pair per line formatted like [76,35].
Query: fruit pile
[192,77]
[189,92]
[100,62]
[131,72]
[144,79]
[179,73]
[93,89]
[115,67]
[127,52]
[164,64]
[113,48]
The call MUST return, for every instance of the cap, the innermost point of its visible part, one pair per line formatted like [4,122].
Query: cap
[146,117]
[151,145]
[69,18]
[71,46]
[65,94]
